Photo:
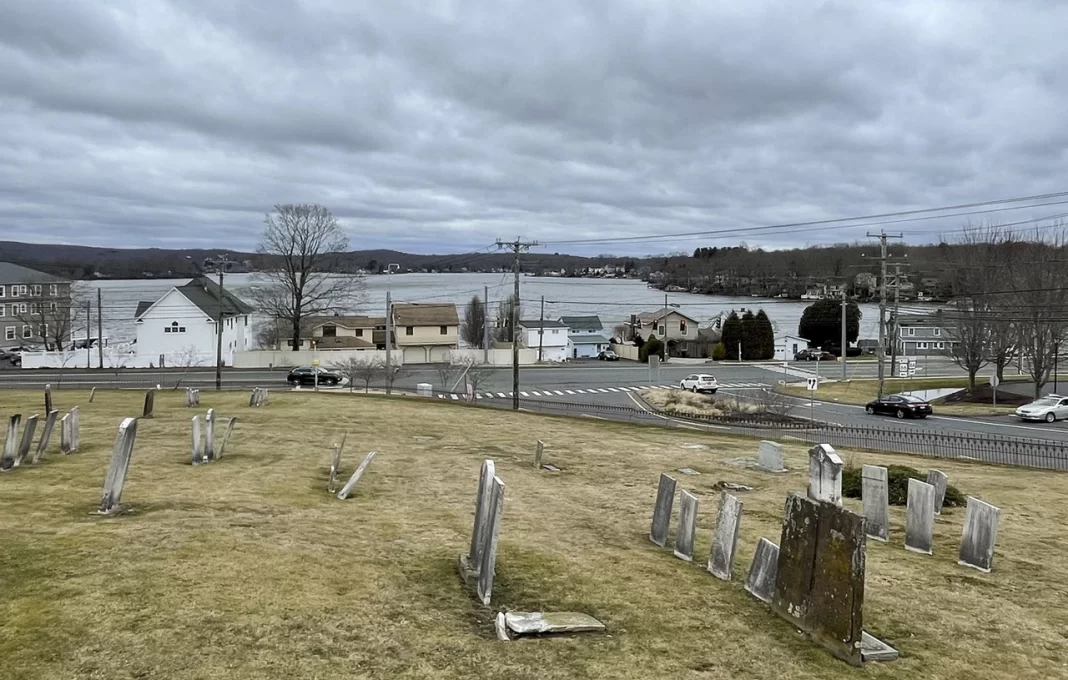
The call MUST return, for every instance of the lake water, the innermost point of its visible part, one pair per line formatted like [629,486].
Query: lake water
[613,300]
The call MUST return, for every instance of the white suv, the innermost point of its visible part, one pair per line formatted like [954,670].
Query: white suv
[1049,408]
[700,383]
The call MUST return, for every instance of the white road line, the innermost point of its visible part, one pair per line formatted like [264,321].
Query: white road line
[478,396]
[624,389]
[455,398]
[569,391]
[581,391]
[559,393]
[525,394]
[502,395]
[612,389]
[603,391]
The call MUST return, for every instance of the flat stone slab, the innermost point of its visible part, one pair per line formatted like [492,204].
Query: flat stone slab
[731,486]
[874,649]
[550,468]
[548,623]
[694,447]
[689,471]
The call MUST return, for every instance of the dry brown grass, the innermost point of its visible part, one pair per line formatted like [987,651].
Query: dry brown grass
[246,568]
[689,403]
[862,391]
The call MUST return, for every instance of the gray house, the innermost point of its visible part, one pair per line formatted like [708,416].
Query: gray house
[924,335]
[585,336]
[35,308]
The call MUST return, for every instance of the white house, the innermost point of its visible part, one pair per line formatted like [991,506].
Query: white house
[786,346]
[585,336]
[181,325]
[551,336]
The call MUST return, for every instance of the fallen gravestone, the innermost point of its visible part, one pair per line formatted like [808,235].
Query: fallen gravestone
[769,457]
[919,517]
[730,486]
[487,568]
[27,440]
[689,471]
[665,499]
[824,474]
[551,623]
[150,404]
[48,398]
[92,395]
[335,465]
[549,467]
[226,437]
[875,492]
[471,562]
[760,583]
[939,481]
[687,530]
[198,446]
[351,484]
[120,464]
[980,535]
[46,436]
[725,538]
[11,443]
[539,450]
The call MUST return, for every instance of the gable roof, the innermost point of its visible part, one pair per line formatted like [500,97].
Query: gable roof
[415,314]
[14,273]
[583,323]
[343,342]
[542,324]
[346,321]
[661,313]
[589,340]
[207,295]
[142,307]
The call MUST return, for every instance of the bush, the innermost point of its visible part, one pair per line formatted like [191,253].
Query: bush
[898,483]
[652,347]
[718,352]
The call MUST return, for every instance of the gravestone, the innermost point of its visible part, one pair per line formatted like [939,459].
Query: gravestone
[472,561]
[48,398]
[150,404]
[192,397]
[198,447]
[919,517]
[46,435]
[875,492]
[27,440]
[120,464]
[351,484]
[335,465]
[548,623]
[980,535]
[769,457]
[538,452]
[686,532]
[265,396]
[487,568]
[939,481]
[819,583]
[226,437]
[760,583]
[65,433]
[11,443]
[75,429]
[209,436]
[92,395]
[725,539]
[824,474]
[665,499]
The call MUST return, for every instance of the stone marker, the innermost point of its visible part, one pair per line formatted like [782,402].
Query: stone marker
[198,448]
[725,539]
[689,471]
[919,517]
[192,397]
[980,534]
[335,464]
[48,398]
[472,561]
[11,443]
[824,474]
[939,481]
[349,485]
[226,437]
[538,452]
[120,464]
[150,404]
[874,649]
[65,433]
[875,492]
[542,623]
[760,583]
[686,532]
[665,498]
[209,436]
[487,569]
[819,581]
[46,436]
[501,628]
[27,440]
[75,429]
[92,395]
[265,396]
[549,467]
[769,457]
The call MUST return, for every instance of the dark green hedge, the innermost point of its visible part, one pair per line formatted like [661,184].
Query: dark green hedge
[898,478]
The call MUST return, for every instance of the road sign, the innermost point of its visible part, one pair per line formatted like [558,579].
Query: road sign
[315,362]
[994,382]
[813,384]
[912,363]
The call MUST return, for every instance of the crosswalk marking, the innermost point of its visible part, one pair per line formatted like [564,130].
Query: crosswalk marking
[502,395]
[525,394]
[569,391]
[455,398]
[621,389]
[612,389]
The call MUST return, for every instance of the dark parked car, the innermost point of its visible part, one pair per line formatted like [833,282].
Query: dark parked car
[608,355]
[814,355]
[305,375]
[900,405]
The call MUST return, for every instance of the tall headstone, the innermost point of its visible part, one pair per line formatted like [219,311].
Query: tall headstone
[665,499]
[980,535]
[92,395]
[824,474]
[120,464]
[27,440]
[686,533]
[335,465]
[725,539]
[472,561]
[198,446]
[254,398]
[769,457]
[75,429]
[209,436]
[351,484]
[48,398]
[875,492]
[46,435]
[819,583]
[150,404]
[539,450]
[65,433]
[11,443]
[488,567]
[760,583]
[226,437]
[919,517]
[939,481]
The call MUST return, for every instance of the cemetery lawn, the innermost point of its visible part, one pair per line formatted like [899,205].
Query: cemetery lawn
[860,392]
[247,568]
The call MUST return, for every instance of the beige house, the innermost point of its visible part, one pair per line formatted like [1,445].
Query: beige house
[425,333]
[348,332]
[668,324]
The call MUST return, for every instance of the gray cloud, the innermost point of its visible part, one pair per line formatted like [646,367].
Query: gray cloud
[439,126]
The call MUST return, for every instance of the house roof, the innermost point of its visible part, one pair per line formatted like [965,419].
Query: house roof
[588,340]
[14,273]
[548,323]
[347,321]
[343,342]
[415,314]
[583,323]
[790,335]
[142,307]
[661,313]
[207,295]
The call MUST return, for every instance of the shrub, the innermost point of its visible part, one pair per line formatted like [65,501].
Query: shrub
[652,347]
[718,352]
[898,485]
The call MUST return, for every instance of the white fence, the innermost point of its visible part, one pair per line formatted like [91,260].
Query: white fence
[628,351]
[113,358]
[284,358]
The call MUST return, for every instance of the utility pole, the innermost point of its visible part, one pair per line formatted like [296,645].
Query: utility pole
[99,328]
[223,261]
[541,330]
[485,327]
[883,257]
[895,327]
[88,334]
[389,341]
[845,336]
[516,247]
[667,354]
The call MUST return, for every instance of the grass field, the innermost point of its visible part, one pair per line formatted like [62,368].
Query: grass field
[863,391]
[247,568]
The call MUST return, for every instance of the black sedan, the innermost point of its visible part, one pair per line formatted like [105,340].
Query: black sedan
[900,405]
[305,375]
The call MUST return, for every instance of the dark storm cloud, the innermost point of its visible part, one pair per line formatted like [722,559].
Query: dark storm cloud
[437,126]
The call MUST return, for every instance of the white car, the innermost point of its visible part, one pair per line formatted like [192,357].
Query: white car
[700,383]
[1049,408]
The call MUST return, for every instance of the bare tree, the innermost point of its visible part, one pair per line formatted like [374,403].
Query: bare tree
[52,311]
[447,371]
[356,368]
[476,373]
[1040,306]
[302,244]
[472,330]
[393,373]
[510,308]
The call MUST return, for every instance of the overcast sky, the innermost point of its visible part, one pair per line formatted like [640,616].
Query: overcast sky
[438,126]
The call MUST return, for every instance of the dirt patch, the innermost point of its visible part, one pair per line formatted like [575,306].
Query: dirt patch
[984,394]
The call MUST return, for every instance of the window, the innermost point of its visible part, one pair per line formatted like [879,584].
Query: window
[660,330]
[52,307]
[22,308]
[938,332]
[174,328]
[3,291]
[22,290]
[27,332]
[53,290]
[409,330]
[10,333]
[35,308]
[359,332]
[35,291]
[682,326]
[330,331]
[921,345]
[3,309]
[444,330]
[941,345]
[912,331]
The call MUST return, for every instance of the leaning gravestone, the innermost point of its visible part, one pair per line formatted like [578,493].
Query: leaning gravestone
[65,433]
[192,397]
[875,492]
[209,436]
[351,484]
[760,583]
[539,450]
[819,584]
[120,464]
[687,530]
[11,443]
[939,481]
[725,539]
[824,474]
[980,534]
[27,440]
[769,457]
[150,404]
[226,437]
[472,561]
[70,432]
[335,464]
[92,395]
[665,498]
[198,447]
[488,567]
[46,436]
[919,517]
[48,398]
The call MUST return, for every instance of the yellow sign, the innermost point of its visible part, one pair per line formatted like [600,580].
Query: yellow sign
[315,362]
